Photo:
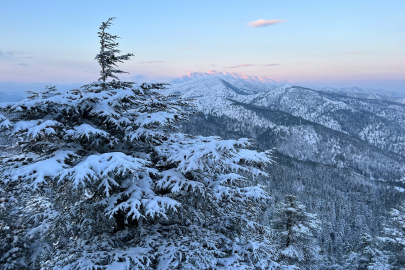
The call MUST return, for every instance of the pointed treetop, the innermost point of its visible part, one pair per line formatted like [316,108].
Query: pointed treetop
[107,57]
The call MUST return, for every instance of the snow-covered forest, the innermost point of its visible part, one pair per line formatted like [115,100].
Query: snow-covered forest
[212,172]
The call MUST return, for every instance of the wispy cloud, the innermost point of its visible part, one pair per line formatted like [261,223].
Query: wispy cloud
[251,65]
[12,55]
[244,65]
[22,64]
[151,62]
[263,22]
[353,52]
[188,48]
[5,54]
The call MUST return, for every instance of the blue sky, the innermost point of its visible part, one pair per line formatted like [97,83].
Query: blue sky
[317,43]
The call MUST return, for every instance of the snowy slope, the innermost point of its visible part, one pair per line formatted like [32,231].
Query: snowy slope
[215,93]
[212,89]
[378,121]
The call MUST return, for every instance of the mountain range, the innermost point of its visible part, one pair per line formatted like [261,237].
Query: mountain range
[376,119]
[340,152]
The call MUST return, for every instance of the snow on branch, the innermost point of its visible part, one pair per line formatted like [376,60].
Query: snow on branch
[87,131]
[5,122]
[103,166]
[161,118]
[39,171]
[201,153]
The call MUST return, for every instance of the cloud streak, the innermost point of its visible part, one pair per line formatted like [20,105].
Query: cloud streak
[151,62]
[6,54]
[12,55]
[188,48]
[263,22]
[251,65]
[353,52]
[244,65]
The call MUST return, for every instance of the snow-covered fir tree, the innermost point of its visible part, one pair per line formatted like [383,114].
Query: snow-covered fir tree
[394,237]
[294,229]
[101,178]
[107,57]
[369,256]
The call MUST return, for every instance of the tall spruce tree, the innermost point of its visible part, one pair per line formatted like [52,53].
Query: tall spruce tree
[107,181]
[107,57]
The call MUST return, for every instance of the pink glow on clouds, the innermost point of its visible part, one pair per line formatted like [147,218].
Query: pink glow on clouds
[263,22]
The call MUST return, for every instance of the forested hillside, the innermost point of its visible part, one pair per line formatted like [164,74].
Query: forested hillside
[342,156]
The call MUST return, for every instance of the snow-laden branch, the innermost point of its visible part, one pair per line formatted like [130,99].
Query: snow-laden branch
[102,168]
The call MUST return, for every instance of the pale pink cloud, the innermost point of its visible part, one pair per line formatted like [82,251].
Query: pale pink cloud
[263,22]
[188,48]
[353,52]
[271,65]
[151,62]
[244,65]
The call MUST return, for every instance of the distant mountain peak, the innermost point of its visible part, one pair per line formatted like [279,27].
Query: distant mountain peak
[232,75]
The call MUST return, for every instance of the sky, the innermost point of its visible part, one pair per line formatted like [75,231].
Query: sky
[312,43]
